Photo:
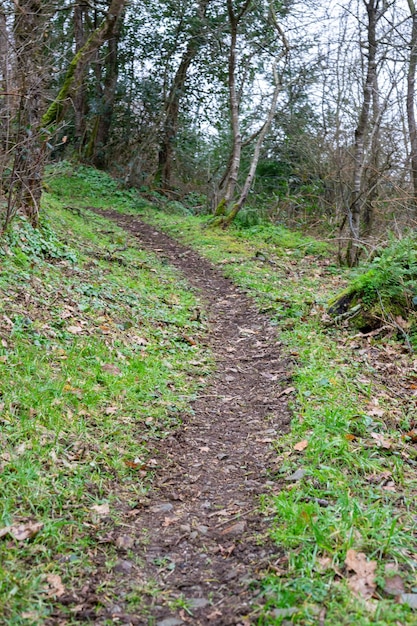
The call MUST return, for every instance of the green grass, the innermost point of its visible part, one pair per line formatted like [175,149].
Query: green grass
[342,408]
[93,371]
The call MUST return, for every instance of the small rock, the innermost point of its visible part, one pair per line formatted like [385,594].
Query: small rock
[234,529]
[285,612]
[203,530]
[410,599]
[164,507]
[198,603]
[232,573]
[170,621]
[125,542]
[185,528]
[123,566]
[298,475]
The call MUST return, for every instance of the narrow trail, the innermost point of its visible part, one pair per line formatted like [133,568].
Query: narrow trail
[205,541]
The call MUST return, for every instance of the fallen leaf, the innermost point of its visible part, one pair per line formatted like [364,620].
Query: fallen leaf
[100,510]
[112,369]
[301,445]
[75,330]
[381,441]
[141,341]
[362,583]
[168,521]
[214,615]
[136,464]
[350,437]
[125,542]
[189,340]
[56,588]
[394,585]
[25,531]
[234,529]
[324,563]
[410,599]
[110,410]
[4,531]
[286,391]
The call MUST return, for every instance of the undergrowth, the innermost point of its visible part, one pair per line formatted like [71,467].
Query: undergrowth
[345,476]
[383,291]
[94,369]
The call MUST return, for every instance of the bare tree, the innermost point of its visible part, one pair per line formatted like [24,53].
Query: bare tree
[411,85]
[227,206]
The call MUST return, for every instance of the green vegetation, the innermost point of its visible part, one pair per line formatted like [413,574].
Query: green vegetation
[344,478]
[93,368]
[383,291]
[356,489]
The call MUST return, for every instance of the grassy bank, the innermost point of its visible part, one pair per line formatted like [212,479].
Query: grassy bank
[94,369]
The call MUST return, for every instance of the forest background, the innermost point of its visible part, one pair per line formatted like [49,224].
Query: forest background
[302,113]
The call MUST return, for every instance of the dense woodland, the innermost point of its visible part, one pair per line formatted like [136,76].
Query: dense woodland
[294,111]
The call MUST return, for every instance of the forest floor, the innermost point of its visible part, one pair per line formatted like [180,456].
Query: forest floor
[187,438]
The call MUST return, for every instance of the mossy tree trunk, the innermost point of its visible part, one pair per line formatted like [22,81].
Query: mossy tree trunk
[374,11]
[102,124]
[80,90]
[33,122]
[81,58]
[30,78]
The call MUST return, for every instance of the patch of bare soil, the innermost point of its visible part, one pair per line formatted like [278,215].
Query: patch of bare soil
[199,533]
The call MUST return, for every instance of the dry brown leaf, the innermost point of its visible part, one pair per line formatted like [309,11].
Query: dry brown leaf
[75,330]
[324,563]
[234,529]
[25,531]
[381,441]
[56,588]
[4,531]
[394,585]
[112,369]
[168,521]
[350,437]
[214,615]
[362,583]
[100,510]
[125,542]
[301,445]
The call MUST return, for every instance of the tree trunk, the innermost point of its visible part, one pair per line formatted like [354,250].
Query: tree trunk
[103,121]
[354,211]
[172,106]
[256,154]
[101,34]
[411,118]
[221,214]
[26,183]
[232,172]
[80,93]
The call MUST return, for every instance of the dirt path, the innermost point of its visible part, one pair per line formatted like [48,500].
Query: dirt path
[201,525]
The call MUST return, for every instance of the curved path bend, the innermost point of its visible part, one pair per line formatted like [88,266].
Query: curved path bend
[206,543]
